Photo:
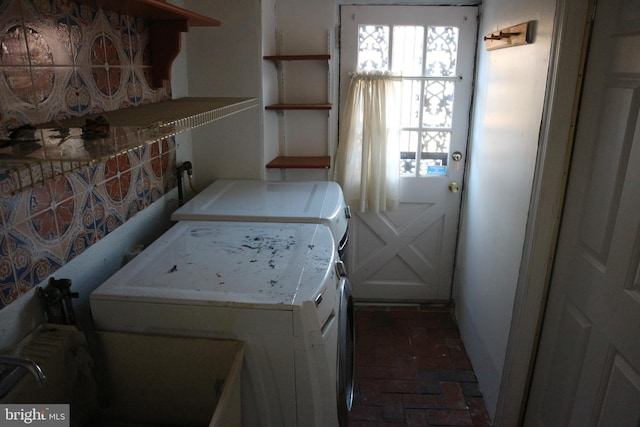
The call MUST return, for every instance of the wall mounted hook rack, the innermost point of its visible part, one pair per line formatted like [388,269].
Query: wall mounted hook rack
[507,37]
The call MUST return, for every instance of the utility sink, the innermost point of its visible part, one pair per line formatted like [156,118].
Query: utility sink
[133,379]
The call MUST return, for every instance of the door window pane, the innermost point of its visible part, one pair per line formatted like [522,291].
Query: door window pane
[408,49]
[434,153]
[438,104]
[373,48]
[408,149]
[411,103]
[442,51]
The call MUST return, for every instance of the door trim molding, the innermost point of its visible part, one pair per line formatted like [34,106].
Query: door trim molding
[571,28]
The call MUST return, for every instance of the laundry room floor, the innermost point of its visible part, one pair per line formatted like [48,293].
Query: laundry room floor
[412,370]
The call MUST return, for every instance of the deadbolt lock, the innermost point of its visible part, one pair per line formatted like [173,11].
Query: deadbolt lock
[456,156]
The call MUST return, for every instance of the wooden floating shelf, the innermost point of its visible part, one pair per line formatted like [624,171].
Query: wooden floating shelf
[323,57]
[279,107]
[286,162]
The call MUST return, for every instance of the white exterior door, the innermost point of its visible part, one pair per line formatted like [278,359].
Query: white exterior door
[587,371]
[408,254]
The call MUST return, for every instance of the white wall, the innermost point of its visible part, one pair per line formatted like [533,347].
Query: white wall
[509,99]
[227,61]
[180,89]
[269,81]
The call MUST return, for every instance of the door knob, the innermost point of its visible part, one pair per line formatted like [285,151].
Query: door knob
[454,187]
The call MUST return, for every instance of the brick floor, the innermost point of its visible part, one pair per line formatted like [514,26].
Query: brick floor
[412,370]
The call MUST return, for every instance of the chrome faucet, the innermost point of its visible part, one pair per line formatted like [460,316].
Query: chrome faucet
[28,364]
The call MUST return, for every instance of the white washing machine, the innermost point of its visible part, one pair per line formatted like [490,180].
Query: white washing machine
[320,202]
[274,286]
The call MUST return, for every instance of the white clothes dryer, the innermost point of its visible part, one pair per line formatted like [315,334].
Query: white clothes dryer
[274,286]
[320,202]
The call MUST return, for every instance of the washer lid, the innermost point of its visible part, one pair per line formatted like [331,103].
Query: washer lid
[225,263]
[254,200]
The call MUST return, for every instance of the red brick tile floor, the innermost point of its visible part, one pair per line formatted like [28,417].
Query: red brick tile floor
[412,370]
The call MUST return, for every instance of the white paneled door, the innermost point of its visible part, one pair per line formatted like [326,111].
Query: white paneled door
[408,254]
[588,366]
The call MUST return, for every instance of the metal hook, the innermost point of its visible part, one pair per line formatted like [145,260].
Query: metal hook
[501,35]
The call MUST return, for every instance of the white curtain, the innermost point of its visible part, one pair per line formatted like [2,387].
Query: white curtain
[368,160]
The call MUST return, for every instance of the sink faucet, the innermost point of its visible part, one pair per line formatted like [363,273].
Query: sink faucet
[28,364]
